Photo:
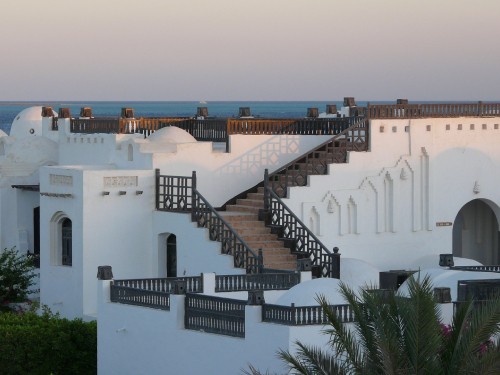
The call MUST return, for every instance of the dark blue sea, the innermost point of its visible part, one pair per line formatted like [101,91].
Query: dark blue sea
[264,109]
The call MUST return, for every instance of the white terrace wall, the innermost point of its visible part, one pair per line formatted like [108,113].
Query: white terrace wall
[112,229]
[139,340]
[222,176]
[397,203]
[196,253]
[87,149]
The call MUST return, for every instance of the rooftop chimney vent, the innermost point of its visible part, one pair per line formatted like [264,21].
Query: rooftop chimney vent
[349,102]
[331,109]
[312,112]
[127,113]
[64,113]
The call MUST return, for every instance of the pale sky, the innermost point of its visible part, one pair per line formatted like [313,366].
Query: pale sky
[249,50]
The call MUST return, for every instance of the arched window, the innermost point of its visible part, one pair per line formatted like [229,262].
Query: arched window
[66,242]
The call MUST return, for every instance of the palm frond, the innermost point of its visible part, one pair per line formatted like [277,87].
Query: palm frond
[311,360]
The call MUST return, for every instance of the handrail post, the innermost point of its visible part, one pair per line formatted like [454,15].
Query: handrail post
[157,186]
[266,192]
[193,196]
[260,260]
[336,263]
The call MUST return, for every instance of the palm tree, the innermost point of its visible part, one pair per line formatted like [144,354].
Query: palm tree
[393,334]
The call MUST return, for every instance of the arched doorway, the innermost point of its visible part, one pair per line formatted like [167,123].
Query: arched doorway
[171,247]
[475,233]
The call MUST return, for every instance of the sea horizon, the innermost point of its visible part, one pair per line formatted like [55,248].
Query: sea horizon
[182,108]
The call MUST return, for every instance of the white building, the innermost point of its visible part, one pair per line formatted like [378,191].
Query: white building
[408,183]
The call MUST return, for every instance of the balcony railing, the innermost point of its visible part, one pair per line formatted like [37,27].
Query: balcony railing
[223,316]
[153,293]
[194,284]
[315,162]
[264,281]
[300,238]
[304,315]
[478,268]
[395,111]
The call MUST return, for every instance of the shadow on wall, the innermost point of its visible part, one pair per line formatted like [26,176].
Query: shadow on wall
[264,155]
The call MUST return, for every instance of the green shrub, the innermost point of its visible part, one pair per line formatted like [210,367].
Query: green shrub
[16,276]
[33,344]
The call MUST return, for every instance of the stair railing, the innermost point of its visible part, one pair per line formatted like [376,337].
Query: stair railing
[277,215]
[352,138]
[179,194]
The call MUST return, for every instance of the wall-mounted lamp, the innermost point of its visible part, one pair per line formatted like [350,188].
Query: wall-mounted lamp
[122,192]
[105,193]
[138,192]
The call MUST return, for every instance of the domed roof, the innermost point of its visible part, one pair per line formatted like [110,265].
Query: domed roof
[432,261]
[28,123]
[358,273]
[443,277]
[33,150]
[305,294]
[171,134]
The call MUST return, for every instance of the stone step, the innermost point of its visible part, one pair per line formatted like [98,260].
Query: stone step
[254,230]
[236,216]
[241,208]
[256,196]
[285,266]
[251,202]
[265,244]
[277,252]
[257,237]
[242,225]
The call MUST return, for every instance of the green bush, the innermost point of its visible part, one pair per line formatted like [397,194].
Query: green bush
[16,276]
[33,344]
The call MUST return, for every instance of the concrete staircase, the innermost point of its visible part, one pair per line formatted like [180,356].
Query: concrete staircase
[243,217]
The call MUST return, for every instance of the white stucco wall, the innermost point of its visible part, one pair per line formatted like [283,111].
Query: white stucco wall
[109,229]
[196,253]
[138,340]
[221,176]
[385,205]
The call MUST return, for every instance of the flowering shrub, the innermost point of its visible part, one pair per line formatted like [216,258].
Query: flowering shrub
[16,276]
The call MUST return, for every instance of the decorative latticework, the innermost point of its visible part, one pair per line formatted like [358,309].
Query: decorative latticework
[179,194]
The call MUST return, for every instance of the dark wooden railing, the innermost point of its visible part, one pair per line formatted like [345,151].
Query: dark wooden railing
[264,281]
[318,126]
[316,161]
[194,284]
[394,111]
[222,316]
[179,194]
[304,315]
[479,268]
[213,130]
[95,125]
[154,293]
[140,297]
[299,237]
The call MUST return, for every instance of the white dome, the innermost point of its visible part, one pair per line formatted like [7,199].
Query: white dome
[306,293]
[28,123]
[432,261]
[446,278]
[358,273]
[3,134]
[33,150]
[171,134]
